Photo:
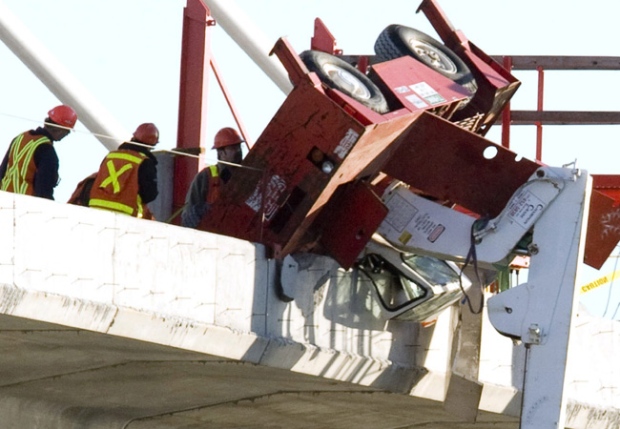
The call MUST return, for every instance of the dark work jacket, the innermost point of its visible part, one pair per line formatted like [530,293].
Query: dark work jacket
[147,172]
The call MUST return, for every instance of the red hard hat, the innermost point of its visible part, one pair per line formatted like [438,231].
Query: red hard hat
[226,137]
[63,115]
[147,133]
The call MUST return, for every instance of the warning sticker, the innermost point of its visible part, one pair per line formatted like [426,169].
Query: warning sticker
[428,93]
[401,212]
[426,226]
[347,142]
[405,237]
[436,233]
[274,188]
[525,208]
[416,101]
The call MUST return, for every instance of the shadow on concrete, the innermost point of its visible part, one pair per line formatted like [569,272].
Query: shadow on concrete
[339,311]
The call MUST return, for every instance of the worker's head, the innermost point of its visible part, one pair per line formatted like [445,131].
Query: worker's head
[60,121]
[146,133]
[227,142]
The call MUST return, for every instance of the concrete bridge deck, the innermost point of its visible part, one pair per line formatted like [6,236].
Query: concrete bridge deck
[114,322]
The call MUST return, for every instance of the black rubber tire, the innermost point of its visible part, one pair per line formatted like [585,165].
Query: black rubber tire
[338,74]
[399,41]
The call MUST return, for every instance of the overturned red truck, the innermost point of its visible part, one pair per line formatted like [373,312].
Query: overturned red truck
[416,112]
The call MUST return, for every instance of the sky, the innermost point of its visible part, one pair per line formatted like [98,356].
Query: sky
[126,53]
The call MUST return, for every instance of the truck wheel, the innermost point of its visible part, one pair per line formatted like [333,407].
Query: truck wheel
[338,74]
[398,41]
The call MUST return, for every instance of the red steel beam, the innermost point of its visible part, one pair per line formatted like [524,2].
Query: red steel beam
[195,60]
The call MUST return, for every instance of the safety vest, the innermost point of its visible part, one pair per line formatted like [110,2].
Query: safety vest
[19,176]
[116,186]
[215,185]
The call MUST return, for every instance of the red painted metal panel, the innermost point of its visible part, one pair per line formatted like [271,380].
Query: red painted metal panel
[496,85]
[323,40]
[351,217]
[282,191]
[448,163]
[282,198]
[279,166]
[417,87]
[608,184]
[603,230]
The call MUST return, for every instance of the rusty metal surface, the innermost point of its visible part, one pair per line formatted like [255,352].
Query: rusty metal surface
[278,195]
[547,117]
[417,87]
[323,40]
[278,166]
[195,57]
[349,221]
[608,184]
[603,230]
[496,86]
[448,163]
[559,62]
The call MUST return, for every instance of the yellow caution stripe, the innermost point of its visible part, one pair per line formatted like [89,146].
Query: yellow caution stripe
[599,282]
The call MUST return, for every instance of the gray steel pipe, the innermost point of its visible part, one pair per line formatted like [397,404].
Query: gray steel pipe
[18,38]
[251,39]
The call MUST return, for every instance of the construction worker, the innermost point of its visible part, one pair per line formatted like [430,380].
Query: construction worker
[127,177]
[30,165]
[81,194]
[207,185]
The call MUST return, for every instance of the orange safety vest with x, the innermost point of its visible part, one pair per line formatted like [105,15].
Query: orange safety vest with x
[116,186]
[19,176]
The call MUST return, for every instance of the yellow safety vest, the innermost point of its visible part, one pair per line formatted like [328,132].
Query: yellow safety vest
[19,175]
[213,194]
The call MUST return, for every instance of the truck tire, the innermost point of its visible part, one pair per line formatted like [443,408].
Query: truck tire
[398,41]
[338,74]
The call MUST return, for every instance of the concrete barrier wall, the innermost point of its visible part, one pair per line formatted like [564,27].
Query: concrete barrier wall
[170,285]
[166,284]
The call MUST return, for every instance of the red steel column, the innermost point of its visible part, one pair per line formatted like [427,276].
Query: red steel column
[195,61]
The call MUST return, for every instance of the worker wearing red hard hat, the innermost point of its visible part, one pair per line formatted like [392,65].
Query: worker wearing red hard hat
[208,183]
[31,164]
[127,177]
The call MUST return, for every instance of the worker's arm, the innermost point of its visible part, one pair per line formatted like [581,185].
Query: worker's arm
[5,162]
[147,180]
[196,200]
[46,175]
